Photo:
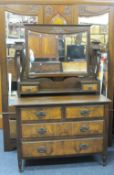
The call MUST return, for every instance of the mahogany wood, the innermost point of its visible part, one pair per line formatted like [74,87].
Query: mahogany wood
[67,135]
[2,38]
[40,113]
[29,89]
[61,100]
[87,87]
[7,141]
[46,130]
[12,124]
[111,72]
[62,147]
[84,111]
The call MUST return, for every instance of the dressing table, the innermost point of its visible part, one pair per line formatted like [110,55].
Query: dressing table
[59,109]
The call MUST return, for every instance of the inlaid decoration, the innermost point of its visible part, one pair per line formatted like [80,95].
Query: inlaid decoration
[23,9]
[89,10]
[48,10]
[67,10]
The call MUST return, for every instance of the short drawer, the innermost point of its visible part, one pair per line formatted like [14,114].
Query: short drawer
[62,147]
[29,89]
[87,127]
[40,113]
[85,111]
[61,129]
[90,87]
[46,130]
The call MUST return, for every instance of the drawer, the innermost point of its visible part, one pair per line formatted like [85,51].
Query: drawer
[61,129]
[29,89]
[87,127]
[12,125]
[46,130]
[90,87]
[85,111]
[62,147]
[44,113]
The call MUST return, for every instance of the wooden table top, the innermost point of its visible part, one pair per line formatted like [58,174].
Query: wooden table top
[58,100]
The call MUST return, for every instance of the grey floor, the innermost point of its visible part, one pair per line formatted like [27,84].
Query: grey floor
[75,166]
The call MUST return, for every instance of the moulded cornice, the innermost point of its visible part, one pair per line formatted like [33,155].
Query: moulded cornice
[43,2]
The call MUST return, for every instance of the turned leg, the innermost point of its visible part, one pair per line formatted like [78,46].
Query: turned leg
[21,165]
[104,159]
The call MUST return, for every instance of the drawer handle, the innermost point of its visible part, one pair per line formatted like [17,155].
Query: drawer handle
[84,129]
[42,131]
[42,149]
[83,146]
[40,114]
[90,88]
[29,90]
[84,112]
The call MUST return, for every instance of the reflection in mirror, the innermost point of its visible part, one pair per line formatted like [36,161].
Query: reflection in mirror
[57,53]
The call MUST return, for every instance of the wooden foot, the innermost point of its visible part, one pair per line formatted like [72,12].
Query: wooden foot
[21,165]
[104,160]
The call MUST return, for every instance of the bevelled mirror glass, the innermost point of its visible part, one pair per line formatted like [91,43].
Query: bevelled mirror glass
[57,50]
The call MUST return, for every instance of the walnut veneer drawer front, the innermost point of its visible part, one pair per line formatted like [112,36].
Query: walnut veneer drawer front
[29,89]
[85,111]
[62,129]
[40,113]
[90,87]
[61,147]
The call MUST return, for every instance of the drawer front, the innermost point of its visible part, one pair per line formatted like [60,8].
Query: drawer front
[85,111]
[87,127]
[90,87]
[61,129]
[40,113]
[62,147]
[46,130]
[29,89]
[12,125]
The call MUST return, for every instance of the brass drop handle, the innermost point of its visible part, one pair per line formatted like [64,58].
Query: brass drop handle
[84,129]
[83,146]
[42,131]
[42,149]
[40,114]
[84,112]
[90,88]
[29,90]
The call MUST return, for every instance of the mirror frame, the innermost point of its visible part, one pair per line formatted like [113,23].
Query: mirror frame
[56,29]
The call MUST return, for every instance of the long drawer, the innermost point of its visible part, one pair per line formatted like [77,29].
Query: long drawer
[61,147]
[43,113]
[84,111]
[62,129]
